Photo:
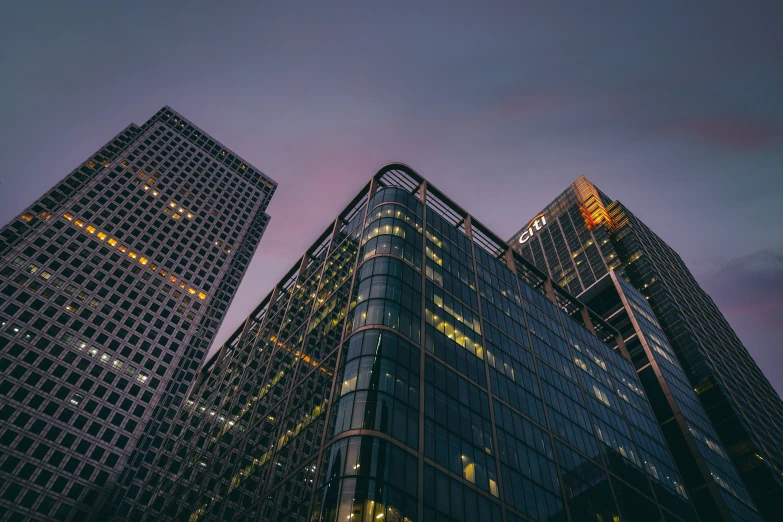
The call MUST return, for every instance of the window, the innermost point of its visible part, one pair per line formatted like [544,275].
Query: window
[117,364]
[101,235]
[105,358]
[76,399]
[79,223]
[91,229]
[27,217]
[45,275]
[112,241]
[141,378]
[68,216]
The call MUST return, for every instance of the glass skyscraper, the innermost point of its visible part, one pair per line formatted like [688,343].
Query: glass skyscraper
[412,367]
[602,253]
[112,286]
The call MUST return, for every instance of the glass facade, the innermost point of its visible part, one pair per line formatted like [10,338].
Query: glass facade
[709,387]
[112,286]
[412,367]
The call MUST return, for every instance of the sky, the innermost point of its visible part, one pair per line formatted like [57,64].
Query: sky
[674,108]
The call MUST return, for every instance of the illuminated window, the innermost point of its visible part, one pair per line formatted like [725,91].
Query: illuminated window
[123,248]
[19,262]
[32,269]
[117,364]
[27,217]
[182,284]
[176,216]
[45,275]
[151,181]
[192,291]
[163,272]
[90,229]
[218,243]
[91,164]
[143,260]
[190,216]
[153,267]
[79,223]
[143,175]
[155,192]
[72,307]
[92,352]
[112,241]
[130,370]
[105,358]
[76,399]
[172,278]
[146,187]
[101,235]
[132,254]
[81,344]
[167,211]
[173,205]
[95,303]
[202,295]
[68,216]
[141,377]
[124,163]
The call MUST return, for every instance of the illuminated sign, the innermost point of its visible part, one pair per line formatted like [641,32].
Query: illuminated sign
[532,227]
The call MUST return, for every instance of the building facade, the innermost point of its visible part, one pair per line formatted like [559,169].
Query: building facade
[112,286]
[587,242]
[412,367]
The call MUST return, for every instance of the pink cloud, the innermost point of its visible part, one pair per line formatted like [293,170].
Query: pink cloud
[727,132]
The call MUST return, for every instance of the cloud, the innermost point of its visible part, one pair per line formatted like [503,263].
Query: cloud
[742,134]
[750,288]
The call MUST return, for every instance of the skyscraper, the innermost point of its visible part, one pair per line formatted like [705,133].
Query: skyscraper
[413,367]
[587,235]
[112,286]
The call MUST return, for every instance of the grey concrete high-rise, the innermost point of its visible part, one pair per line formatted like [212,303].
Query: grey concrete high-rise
[112,286]
[702,381]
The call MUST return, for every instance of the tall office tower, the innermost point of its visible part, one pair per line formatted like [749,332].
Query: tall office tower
[412,367]
[583,236]
[112,286]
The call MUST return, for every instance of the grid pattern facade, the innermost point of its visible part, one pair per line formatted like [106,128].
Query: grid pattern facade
[715,487]
[742,406]
[112,286]
[412,367]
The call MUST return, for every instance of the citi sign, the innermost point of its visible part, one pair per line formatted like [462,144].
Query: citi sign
[532,227]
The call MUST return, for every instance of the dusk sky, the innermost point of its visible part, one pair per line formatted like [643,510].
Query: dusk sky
[674,108]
